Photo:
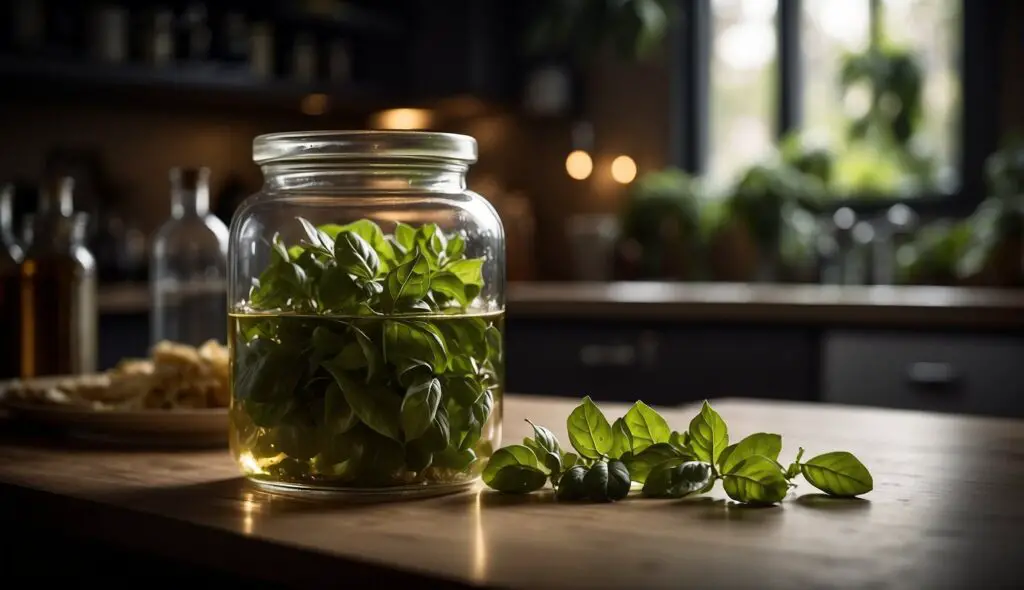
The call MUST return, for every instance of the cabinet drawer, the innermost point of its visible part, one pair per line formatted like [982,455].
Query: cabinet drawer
[970,373]
[658,363]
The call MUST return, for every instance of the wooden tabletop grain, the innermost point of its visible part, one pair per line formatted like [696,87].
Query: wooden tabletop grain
[946,511]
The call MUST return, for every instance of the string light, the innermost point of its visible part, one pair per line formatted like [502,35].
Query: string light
[623,169]
[314,104]
[402,119]
[578,164]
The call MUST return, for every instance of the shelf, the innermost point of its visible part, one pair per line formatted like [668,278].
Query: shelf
[181,84]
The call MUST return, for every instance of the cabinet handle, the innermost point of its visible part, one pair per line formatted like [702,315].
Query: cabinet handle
[929,374]
[644,353]
[598,355]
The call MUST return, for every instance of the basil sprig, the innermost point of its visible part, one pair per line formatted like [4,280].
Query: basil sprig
[358,359]
[641,448]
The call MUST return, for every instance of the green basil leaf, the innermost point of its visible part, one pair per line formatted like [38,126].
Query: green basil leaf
[419,407]
[756,480]
[406,340]
[266,415]
[356,256]
[328,342]
[317,238]
[483,407]
[417,458]
[376,406]
[405,235]
[371,233]
[607,481]
[761,443]
[374,363]
[838,474]
[298,441]
[641,464]
[438,435]
[338,415]
[794,467]
[451,286]
[266,372]
[708,434]
[569,460]
[454,459]
[726,453]
[518,479]
[677,480]
[552,463]
[381,460]
[589,431]
[456,247]
[545,439]
[336,290]
[681,441]
[570,485]
[505,456]
[647,426]
[463,389]
[409,281]
[622,439]
[468,271]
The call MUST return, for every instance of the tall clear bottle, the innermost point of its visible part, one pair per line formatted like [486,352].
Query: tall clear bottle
[188,274]
[57,290]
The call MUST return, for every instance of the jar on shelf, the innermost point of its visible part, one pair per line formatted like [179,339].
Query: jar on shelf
[367,298]
[188,270]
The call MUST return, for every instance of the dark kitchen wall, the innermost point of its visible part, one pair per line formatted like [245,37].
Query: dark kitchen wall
[627,104]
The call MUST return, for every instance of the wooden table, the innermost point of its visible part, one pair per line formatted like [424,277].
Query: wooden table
[946,512]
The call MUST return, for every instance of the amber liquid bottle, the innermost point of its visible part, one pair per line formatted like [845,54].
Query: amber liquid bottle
[10,291]
[57,292]
[10,315]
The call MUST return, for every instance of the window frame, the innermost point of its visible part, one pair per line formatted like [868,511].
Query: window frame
[980,85]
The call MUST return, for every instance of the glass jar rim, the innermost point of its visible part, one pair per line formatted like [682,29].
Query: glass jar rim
[363,145]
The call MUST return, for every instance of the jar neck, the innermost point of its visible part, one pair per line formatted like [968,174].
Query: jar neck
[369,177]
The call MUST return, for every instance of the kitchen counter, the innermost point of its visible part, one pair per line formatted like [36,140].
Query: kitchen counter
[772,304]
[945,512]
[751,303]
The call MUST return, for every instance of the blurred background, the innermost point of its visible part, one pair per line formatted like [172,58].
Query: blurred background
[812,142]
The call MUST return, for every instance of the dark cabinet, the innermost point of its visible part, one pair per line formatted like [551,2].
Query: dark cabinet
[950,372]
[660,363]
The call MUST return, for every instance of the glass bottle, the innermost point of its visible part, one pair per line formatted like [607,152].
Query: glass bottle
[188,270]
[10,292]
[367,300]
[57,283]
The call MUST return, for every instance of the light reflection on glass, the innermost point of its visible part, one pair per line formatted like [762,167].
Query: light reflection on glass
[479,573]
[249,506]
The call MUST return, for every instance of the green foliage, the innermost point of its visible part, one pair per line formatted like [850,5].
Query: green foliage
[668,464]
[634,27]
[358,360]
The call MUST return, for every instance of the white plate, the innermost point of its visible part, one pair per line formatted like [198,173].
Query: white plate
[166,428]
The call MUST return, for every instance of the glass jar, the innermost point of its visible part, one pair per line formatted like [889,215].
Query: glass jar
[57,295]
[367,297]
[188,271]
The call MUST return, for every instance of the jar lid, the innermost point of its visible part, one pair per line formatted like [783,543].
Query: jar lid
[363,145]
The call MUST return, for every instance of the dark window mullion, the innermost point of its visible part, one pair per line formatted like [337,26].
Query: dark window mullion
[790,68]
[690,85]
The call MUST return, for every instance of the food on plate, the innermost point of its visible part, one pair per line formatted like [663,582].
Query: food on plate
[175,376]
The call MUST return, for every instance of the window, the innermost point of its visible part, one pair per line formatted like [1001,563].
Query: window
[742,86]
[881,146]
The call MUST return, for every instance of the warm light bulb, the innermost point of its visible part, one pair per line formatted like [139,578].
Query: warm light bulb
[314,104]
[402,119]
[623,169]
[579,165]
